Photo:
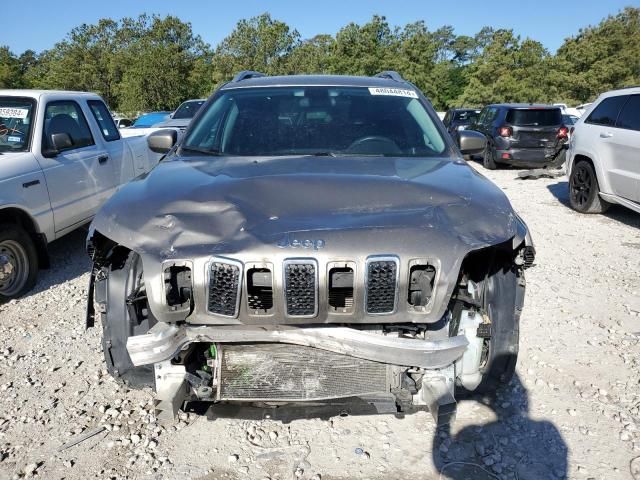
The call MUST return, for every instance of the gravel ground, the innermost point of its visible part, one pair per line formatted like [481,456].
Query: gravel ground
[572,410]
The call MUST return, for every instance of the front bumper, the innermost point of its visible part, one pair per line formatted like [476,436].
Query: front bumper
[164,341]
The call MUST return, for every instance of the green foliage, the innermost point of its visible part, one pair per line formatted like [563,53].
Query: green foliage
[154,63]
[260,44]
[600,58]
[10,74]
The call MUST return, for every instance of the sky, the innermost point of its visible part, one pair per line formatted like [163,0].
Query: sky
[39,24]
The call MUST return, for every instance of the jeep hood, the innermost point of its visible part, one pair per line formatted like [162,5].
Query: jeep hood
[194,206]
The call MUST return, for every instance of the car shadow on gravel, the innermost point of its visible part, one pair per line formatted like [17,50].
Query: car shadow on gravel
[560,190]
[514,444]
[68,260]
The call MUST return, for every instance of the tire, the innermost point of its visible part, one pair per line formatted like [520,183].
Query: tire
[503,301]
[119,322]
[584,191]
[489,157]
[18,262]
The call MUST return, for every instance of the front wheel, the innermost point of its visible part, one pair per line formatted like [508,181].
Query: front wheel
[125,314]
[584,191]
[503,300]
[18,262]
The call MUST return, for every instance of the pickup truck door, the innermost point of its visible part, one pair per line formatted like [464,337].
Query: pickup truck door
[75,176]
[120,169]
[625,144]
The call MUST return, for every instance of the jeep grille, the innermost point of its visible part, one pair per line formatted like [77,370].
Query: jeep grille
[381,287]
[301,288]
[224,288]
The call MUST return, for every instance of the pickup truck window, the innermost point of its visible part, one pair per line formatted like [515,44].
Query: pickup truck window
[66,116]
[316,120]
[105,120]
[16,118]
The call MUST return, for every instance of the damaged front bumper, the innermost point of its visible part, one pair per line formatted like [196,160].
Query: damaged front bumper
[164,341]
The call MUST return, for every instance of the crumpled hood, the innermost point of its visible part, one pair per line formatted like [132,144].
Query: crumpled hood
[194,206]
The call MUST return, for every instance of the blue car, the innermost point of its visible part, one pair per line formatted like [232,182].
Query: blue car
[150,119]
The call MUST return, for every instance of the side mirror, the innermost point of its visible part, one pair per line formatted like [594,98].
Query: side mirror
[471,142]
[162,141]
[59,142]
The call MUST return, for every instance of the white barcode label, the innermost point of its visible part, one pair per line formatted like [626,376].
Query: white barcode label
[393,92]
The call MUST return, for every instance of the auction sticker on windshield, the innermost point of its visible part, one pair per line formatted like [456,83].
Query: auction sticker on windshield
[394,92]
[7,112]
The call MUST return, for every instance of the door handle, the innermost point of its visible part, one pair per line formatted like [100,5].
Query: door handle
[31,183]
[103,159]
[606,134]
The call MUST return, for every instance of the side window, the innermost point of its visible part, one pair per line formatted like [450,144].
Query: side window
[66,117]
[105,120]
[607,111]
[482,116]
[630,115]
[492,113]
[447,118]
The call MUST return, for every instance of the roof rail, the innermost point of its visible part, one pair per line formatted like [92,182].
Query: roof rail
[390,74]
[247,74]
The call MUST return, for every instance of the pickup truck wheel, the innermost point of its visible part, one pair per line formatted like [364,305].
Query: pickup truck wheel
[18,262]
[503,300]
[125,317]
[489,157]
[584,191]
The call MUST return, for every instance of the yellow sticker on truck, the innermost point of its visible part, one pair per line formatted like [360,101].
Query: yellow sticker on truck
[393,92]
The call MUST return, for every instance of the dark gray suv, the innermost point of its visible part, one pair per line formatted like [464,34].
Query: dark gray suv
[520,134]
[311,238]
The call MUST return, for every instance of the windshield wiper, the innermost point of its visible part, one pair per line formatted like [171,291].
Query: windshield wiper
[205,151]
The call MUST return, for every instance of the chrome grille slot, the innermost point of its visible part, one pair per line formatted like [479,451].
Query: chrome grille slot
[293,373]
[301,288]
[341,287]
[224,287]
[259,290]
[381,285]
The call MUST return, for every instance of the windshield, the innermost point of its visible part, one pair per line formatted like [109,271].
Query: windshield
[188,109]
[16,117]
[537,117]
[316,121]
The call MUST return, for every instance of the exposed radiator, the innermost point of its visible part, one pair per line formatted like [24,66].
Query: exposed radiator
[281,372]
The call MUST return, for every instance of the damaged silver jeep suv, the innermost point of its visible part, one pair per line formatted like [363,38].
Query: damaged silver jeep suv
[311,238]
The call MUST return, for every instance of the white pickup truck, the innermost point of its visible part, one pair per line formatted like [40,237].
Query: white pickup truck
[61,157]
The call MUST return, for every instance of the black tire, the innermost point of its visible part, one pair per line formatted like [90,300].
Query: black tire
[18,262]
[584,191]
[489,157]
[503,301]
[119,322]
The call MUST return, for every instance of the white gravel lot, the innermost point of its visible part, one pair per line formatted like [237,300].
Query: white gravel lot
[572,411]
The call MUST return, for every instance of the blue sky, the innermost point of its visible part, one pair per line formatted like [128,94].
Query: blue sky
[38,24]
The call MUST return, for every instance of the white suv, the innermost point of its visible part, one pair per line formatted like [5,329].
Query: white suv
[604,154]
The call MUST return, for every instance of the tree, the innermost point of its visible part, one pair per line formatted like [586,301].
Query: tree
[158,66]
[364,50]
[311,56]
[600,58]
[507,70]
[10,73]
[260,43]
